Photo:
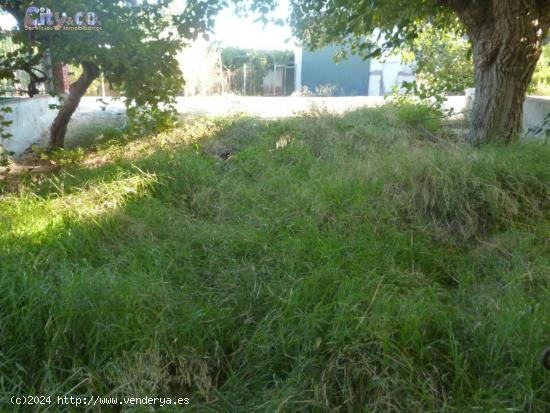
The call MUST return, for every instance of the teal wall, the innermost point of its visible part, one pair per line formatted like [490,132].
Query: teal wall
[351,76]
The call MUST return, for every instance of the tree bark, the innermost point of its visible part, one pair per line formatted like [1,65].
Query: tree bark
[506,37]
[90,72]
[497,114]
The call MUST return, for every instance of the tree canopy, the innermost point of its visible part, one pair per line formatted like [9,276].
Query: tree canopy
[134,47]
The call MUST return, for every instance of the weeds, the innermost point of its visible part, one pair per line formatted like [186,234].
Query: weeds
[320,263]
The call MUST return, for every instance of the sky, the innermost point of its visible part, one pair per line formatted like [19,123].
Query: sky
[6,21]
[231,30]
[234,31]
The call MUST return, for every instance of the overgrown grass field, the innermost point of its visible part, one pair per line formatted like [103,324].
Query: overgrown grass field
[314,264]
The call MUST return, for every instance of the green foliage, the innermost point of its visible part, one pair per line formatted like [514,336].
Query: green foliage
[258,64]
[61,156]
[540,84]
[95,89]
[4,122]
[20,58]
[414,113]
[144,119]
[321,263]
[370,30]
[443,63]
[135,49]
[4,134]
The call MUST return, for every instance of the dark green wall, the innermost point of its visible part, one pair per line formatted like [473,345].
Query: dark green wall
[351,76]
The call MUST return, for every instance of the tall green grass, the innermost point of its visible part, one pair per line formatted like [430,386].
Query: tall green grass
[320,263]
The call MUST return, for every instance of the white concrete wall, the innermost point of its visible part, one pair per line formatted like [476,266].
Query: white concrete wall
[31,120]
[535,110]
[32,117]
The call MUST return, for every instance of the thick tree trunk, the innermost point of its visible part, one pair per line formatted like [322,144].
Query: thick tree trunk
[497,115]
[506,37]
[90,72]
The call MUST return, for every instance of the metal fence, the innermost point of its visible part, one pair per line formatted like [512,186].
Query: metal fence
[18,87]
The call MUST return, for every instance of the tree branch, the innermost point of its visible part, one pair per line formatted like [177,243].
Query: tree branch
[472,13]
[90,72]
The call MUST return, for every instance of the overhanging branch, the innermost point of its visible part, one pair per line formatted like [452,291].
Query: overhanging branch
[472,13]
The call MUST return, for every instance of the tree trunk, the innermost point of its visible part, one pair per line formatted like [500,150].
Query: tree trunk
[90,72]
[497,114]
[506,37]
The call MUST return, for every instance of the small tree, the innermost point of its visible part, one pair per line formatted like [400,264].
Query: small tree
[135,48]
